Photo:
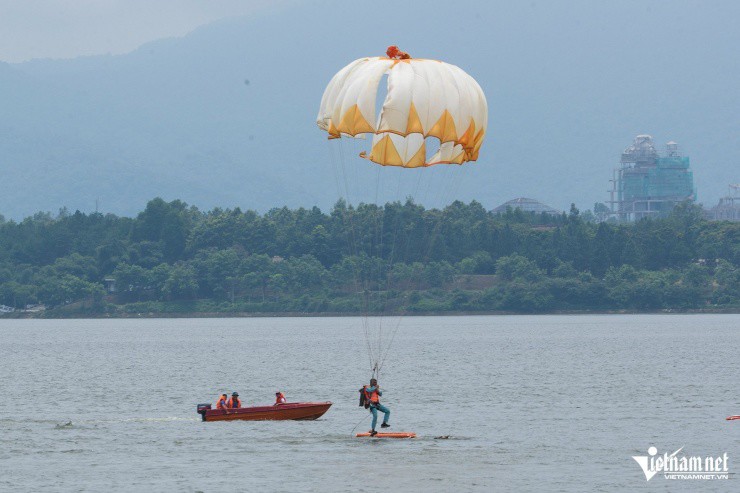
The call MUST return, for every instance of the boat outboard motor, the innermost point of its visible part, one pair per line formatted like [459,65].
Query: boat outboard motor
[202,408]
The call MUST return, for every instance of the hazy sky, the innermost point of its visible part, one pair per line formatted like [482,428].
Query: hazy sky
[569,84]
[69,28]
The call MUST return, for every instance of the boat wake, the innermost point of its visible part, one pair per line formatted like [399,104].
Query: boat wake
[157,420]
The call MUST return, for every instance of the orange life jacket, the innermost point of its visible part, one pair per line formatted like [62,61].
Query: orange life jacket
[373,396]
[279,398]
[221,403]
[231,402]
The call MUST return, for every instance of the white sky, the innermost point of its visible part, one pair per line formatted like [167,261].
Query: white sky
[69,28]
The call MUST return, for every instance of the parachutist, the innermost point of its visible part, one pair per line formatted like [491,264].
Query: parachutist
[432,113]
[370,398]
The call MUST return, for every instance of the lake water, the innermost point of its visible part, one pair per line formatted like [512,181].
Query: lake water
[531,403]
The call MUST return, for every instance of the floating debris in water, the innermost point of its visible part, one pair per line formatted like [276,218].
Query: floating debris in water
[442,437]
[68,424]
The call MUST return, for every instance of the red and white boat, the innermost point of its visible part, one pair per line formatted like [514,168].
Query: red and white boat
[287,410]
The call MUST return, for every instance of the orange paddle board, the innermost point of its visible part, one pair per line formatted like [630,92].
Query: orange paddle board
[398,434]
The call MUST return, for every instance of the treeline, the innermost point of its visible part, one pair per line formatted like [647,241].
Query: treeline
[399,257]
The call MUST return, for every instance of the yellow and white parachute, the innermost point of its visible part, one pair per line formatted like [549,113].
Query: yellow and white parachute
[425,98]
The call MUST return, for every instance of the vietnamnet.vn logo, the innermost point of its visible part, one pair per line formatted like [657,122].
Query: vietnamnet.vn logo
[674,466]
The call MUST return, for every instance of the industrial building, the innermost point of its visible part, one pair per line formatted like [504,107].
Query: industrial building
[646,184]
[728,208]
[526,205]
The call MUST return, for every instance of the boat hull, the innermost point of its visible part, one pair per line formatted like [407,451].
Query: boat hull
[278,412]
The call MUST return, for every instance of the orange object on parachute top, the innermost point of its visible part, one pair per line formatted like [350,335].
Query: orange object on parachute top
[398,434]
[394,53]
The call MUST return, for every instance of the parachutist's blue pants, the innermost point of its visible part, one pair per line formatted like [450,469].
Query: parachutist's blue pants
[380,407]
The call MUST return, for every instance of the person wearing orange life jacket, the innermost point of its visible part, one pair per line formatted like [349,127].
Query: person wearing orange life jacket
[234,402]
[371,395]
[221,404]
[279,398]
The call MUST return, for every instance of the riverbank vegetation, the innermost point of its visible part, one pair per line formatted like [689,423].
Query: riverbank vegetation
[397,258]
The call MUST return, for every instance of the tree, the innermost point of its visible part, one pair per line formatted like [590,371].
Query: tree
[182,282]
[518,267]
[55,291]
[478,263]
[375,254]
[76,265]
[17,295]
[132,280]
[217,270]
[601,211]
[167,223]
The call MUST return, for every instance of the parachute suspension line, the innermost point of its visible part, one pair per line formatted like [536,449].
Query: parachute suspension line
[374,328]
[400,222]
[372,334]
[349,224]
[448,194]
[457,103]
[360,280]
[384,266]
[365,275]
[361,283]
[364,417]
[399,225]
[379,222]
[388,348]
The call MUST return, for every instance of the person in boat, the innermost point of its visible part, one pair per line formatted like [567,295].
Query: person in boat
[234,402]
[279,398]
[372,395]
[222,402]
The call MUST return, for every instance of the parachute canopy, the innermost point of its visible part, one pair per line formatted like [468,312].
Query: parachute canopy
[425,98]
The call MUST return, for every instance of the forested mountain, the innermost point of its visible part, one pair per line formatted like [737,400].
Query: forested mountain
[225,115]
[397,258]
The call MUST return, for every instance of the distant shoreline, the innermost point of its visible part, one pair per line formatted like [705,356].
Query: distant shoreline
[153,315]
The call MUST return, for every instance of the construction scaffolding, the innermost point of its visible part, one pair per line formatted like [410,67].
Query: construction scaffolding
[649,185]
